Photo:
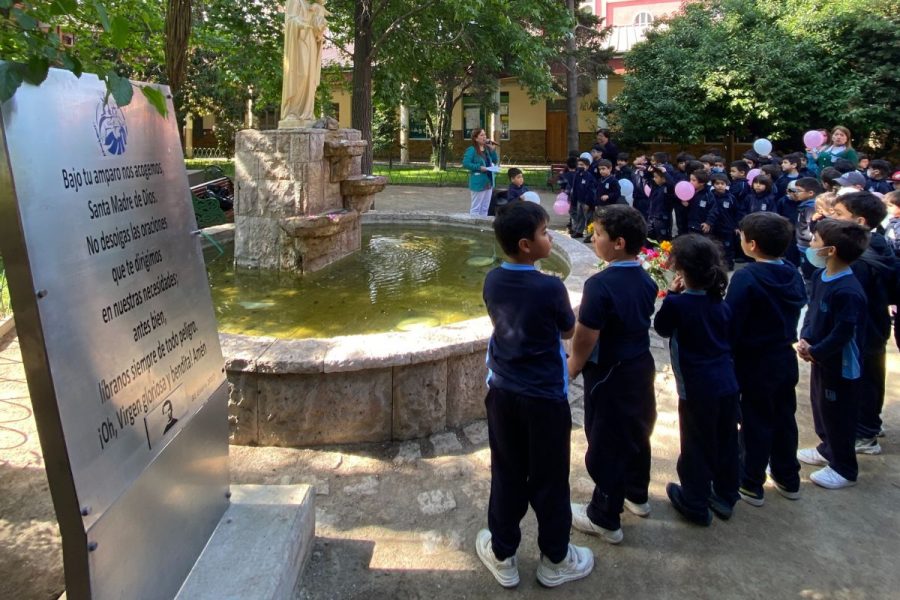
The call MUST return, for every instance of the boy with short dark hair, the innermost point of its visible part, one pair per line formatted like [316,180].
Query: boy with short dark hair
[517,185]
[832,339]
[892,234]
[806,190]
[583,196]
[877,274]
[608,190]
[659,212]
[722,220]
[701,204]
[766,298]
[790,171]
[529,421]
[739,186]
[877,177]
[611,349]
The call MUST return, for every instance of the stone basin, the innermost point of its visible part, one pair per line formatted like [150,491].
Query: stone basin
[369,388]
[344,148]
[359,191]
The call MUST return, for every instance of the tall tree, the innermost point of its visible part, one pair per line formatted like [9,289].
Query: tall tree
[771,68]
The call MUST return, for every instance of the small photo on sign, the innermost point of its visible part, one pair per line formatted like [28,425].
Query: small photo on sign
[162,422]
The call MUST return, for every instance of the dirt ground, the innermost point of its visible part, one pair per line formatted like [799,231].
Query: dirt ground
[398,520]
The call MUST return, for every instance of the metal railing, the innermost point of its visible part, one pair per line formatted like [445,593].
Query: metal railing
[210,153]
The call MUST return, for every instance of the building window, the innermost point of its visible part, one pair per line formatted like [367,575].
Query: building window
[643,19]
[504,115]
[473,116]
[418,126]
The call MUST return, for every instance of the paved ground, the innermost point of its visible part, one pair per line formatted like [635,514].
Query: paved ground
[399,520]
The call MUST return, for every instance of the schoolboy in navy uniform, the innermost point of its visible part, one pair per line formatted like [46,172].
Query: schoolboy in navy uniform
[611,349]
[659,211]
[608,190]
[832,340]
[529,421]
[790,171]
[517,185]
[722,221]
[697,321]
[701,204]
[876,271]
[584,195]
[739,187]
[766,298]
[877,177]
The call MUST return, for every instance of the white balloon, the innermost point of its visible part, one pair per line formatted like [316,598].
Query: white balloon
[531,197]
[762,146]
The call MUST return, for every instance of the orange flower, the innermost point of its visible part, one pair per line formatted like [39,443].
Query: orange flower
[665,246]
[661,293]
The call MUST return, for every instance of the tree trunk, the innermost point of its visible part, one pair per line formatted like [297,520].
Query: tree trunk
[572,83]
[178,34]
[361,98]
[446,128]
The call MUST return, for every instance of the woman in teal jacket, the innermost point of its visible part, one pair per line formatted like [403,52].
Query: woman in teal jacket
[840,148]
[478,157]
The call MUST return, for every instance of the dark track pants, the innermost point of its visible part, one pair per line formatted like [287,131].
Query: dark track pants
[530,451]
[835,403]
[619,415]
[709,450]
[768,423]
[871,399]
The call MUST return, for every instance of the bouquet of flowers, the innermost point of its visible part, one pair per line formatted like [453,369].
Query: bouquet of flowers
[655,261]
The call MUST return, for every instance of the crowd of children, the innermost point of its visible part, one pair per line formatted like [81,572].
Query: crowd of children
[817,234]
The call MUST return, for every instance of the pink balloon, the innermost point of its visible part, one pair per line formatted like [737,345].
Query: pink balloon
[752,175]
[813,138]
[684,190]
[561,206]
[647,189]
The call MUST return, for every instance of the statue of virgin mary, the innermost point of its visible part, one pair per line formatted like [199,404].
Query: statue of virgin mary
[304,31]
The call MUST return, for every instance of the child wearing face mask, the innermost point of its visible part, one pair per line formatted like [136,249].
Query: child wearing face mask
[832,340]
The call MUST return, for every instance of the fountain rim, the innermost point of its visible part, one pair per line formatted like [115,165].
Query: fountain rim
[267,354]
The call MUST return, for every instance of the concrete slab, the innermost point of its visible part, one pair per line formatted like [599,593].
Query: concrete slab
[260,547]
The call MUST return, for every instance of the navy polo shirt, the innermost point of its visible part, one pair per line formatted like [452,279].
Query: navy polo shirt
[835,323]
[619,302]
[529,310]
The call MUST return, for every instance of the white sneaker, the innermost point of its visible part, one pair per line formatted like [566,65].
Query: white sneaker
[830,479]
[811,456]
[868,446]
[583,523]
[506,572]
[641,510]
[577,564]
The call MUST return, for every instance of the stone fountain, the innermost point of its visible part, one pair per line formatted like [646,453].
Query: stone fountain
[299,193]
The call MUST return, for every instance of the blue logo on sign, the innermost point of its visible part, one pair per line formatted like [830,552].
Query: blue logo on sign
[109,125]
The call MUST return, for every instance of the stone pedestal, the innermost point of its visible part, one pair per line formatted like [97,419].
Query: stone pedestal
[294,209]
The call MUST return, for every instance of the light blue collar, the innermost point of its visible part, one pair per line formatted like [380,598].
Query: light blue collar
[694,292]
[517,267]
[624,263]
[777,261]
[843,273]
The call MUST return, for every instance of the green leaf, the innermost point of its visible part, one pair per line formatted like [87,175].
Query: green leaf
[102,15]
[119,87]
[157,99]
[63,7]
[5,4]
[119,32]
[10,79]
[71,63]
[36,70]
[25,21]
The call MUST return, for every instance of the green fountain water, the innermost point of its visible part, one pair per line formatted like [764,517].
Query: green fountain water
[404,278]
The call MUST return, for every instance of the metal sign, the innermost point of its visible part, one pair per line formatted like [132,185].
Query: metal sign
[117,284]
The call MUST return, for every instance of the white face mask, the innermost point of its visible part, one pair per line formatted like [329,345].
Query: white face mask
[815,259]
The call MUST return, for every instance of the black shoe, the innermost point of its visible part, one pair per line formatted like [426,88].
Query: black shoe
[588,239]
[722,509]
[576,236]
[676,497]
